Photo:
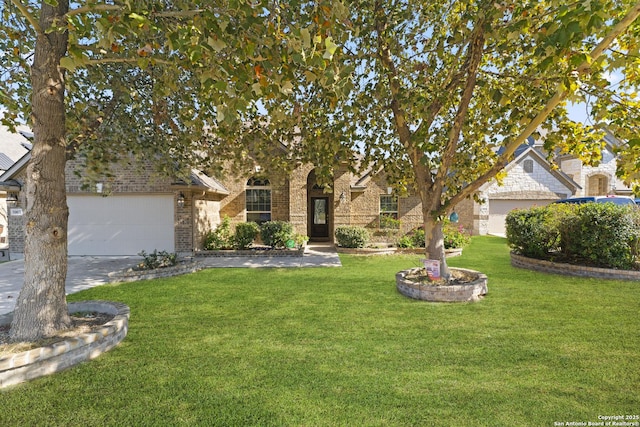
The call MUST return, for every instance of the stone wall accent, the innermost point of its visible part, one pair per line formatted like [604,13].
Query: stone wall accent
[31,364]
[252,253]
[470,292]
[520,261]
[156,273]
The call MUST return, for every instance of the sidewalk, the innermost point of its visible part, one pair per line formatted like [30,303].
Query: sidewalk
[86,272]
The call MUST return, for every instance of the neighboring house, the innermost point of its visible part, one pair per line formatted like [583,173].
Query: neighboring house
[532,181]
[13,146]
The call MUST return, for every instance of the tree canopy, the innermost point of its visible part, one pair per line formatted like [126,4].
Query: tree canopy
[176,81]
[445,91]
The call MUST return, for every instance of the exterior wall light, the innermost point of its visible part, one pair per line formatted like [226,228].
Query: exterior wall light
[181,200]
[343,197]
[12,199]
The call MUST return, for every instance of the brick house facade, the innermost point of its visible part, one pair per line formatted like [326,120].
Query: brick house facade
[136,209]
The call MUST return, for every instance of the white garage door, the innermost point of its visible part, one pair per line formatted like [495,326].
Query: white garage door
[498,210]
[120,225]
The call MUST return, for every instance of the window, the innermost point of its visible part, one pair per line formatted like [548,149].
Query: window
[389,211]
[597,185]
[258,195]
[528,166]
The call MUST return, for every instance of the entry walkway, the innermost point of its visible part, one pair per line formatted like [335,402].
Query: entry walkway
[87,271]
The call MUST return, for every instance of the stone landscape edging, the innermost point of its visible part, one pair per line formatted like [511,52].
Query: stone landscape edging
[468,292]
[156,273]
[41,361]
[544,266]
[394,250]
[251,253]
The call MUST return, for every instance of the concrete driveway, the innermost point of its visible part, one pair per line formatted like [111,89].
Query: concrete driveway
[82,273]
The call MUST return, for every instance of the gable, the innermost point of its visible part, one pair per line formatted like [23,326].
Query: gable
[530,176]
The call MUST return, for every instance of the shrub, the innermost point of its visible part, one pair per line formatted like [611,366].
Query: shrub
[220,238]
[389,222]
[533,232]
[157,260]
[276,233]
[418,239]
[246,233]
[455,235]
[600,234]
[595,234]
[405,242]
[352,237]
[301,240]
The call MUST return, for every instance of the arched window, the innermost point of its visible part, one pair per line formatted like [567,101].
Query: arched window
[258,200]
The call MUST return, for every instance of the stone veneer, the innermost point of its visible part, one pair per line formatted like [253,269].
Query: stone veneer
[468,292]
[572,270]
[38,362]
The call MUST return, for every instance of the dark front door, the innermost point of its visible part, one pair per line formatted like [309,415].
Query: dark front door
[319,218]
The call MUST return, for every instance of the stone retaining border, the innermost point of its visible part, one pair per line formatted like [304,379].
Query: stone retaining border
[393,250]
[469,292]
[252,253]
[38,362]
[136,275]
[520,261]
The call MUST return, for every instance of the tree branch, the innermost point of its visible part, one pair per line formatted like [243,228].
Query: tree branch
[25,12]
[127,61]
[74,144]
[474,56]
[94,8]
[560,95]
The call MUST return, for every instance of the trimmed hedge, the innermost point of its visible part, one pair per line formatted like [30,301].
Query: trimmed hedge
[352,237]
[594,234]
[276,233]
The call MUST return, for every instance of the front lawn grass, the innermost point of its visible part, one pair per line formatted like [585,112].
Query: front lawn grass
[341,347]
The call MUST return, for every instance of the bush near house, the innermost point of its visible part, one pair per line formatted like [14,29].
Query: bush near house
[246,233]
[220,238]
[455,236]
[276,233]
[352,236]
[594,234]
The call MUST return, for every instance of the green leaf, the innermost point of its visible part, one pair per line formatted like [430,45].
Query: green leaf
[330,48]
[137,17]
[68,63]
[306,38]
[217,44]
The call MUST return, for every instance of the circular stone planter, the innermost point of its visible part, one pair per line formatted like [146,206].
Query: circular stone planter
[38,362]
[466,292]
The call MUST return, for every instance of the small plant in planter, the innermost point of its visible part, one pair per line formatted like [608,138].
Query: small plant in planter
[156,259]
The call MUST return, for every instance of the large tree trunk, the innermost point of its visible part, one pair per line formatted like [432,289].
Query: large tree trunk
[434,242]
[41,308]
